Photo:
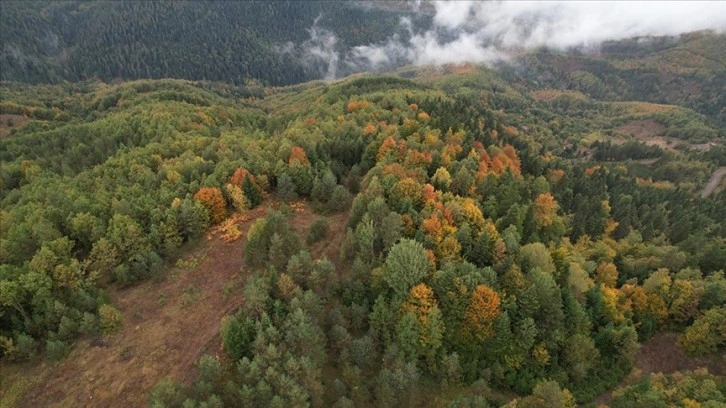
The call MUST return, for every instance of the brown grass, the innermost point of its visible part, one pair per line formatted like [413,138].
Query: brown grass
[6,119]
[641,128]
[168,325]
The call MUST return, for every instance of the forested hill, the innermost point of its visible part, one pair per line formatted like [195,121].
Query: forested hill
[491,243]
[226,41]
[282,43]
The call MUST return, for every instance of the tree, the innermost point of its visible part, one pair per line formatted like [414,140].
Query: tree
[406,264]
[286,188]
[441,179]
[537,255]
[297,155]
[606,274]
[706,334]
[548,394]
[237,336]
[323,187]
[252,191]
[545,210]
[580,356]
[483,309]
[212,198]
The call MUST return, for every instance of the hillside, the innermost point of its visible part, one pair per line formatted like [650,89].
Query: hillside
[283,43]
[229,41]
[486,239]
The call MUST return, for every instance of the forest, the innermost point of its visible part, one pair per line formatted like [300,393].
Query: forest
[487,253]
[451,236]
[236,42]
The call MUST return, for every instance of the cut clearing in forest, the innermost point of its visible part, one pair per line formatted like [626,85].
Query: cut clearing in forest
[168,326]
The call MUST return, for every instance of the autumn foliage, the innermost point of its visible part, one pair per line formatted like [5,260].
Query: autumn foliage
[482,311]
[297,155]
[421,302]
[212,198]
[239,177]
[545,210]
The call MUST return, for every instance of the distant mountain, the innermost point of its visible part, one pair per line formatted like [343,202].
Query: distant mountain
[282,43]
[689,71]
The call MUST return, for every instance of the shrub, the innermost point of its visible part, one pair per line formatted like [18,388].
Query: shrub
[318,231]
[89,324]
[23,348]
[110,319]
[56,349]
[340,199]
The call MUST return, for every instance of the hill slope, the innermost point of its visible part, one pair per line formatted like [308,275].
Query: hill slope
[496,237]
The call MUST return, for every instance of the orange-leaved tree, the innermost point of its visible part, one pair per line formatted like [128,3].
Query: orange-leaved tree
[482,311]
[212,198]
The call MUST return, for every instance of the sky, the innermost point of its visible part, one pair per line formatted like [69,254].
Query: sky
[482,31]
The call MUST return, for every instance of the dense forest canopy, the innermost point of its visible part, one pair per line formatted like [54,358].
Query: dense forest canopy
[210,40]
[507,235]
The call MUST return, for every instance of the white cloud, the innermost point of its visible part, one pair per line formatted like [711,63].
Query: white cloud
[475,31]
[562,24]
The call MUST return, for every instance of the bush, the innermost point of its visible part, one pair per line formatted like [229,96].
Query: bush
[56,349]
[110,319]
[237,336]
[23,348]
[339,200]
[68,328]
[89,324]
[318,231]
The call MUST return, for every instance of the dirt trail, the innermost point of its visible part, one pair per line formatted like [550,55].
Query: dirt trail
[168,325]
[713,182]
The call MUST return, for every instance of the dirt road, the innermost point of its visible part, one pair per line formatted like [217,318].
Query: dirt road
[713,182]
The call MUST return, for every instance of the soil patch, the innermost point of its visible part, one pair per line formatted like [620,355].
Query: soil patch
[641,128]
[10,121]
[716,177]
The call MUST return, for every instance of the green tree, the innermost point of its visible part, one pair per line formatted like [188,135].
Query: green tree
[406,265]
[286,188]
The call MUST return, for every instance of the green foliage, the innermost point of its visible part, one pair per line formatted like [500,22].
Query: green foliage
[261,237]
[318,231]
[457,190]
[286,188]
[237,336]
[109,319]
[252,192]
[706,334]
[56,349]
[406,265]
[697,388]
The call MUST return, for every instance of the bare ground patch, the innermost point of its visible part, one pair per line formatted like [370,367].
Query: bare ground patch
[10,121]
[714,181]
[641,128]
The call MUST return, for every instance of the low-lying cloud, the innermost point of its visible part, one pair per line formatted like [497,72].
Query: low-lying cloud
[564,24]
[482,32]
